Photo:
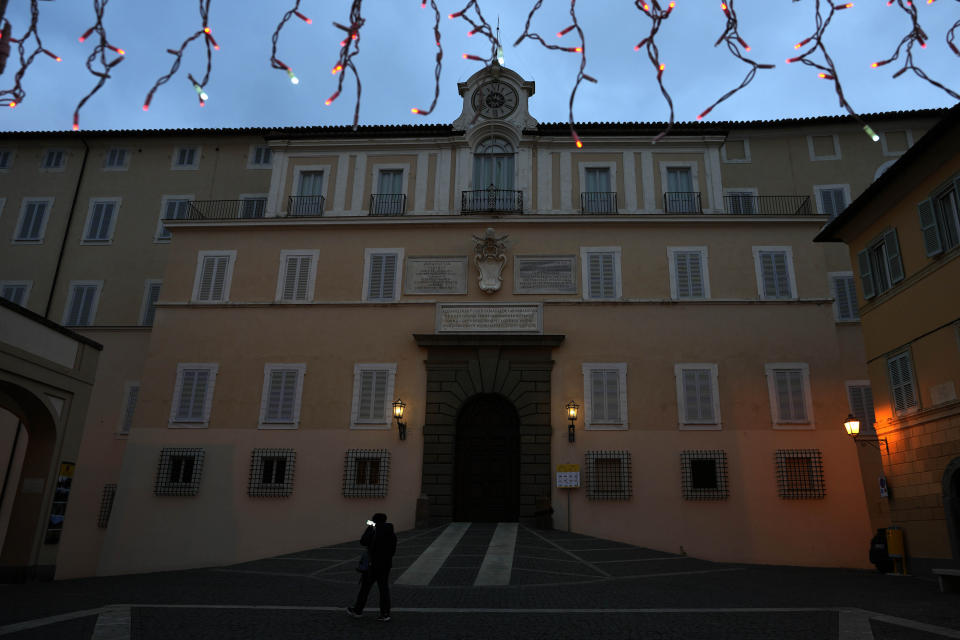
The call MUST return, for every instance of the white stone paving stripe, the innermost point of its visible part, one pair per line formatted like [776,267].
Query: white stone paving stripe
[423,569]
[571,554]
[113,624]
[42,622]
[497,565]
[855,625]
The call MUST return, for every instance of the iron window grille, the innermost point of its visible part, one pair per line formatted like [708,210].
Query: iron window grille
[609,475]
[106,504]
[703,474]
[271,473]
[800,473]
[179,472]
[365,473]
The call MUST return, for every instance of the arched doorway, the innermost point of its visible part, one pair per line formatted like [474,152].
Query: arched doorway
[951,504]
[487,461]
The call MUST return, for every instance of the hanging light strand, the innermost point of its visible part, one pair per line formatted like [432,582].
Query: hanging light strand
[581,49]
[208,40]
[478,25]
[952,37]
[349,48]
[731,36]
[439,64]
[915,36]
[98,55]
[274,61]
[16,95]
[657,15]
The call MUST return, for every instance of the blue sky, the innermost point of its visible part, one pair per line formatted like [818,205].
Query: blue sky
[397,60]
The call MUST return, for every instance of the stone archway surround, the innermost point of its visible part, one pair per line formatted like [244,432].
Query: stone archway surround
[458,367]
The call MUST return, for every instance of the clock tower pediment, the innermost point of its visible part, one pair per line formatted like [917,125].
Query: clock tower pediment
[495,94]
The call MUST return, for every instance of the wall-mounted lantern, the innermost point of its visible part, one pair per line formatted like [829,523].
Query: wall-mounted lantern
[398,407]
[852,426]
[572,410]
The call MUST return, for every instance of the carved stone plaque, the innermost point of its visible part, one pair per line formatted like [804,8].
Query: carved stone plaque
[545,274]
[481,317]
[436,275]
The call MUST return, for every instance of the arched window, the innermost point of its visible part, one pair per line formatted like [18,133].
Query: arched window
[493,164]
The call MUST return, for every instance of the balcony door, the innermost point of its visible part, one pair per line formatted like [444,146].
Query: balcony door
[493,164]
[680,195]
[309,200]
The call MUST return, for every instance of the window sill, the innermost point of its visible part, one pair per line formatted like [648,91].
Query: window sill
[96,242]
[187,425]
[700,426]
[605,427]
[278,425]
[794,426]
[16,241]
[379,426]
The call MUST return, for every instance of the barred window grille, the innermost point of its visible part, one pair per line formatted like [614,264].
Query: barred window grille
[800,473]
[271,473]
[106,504]
[704,474]
[609,475]
[365,473]
[179,471]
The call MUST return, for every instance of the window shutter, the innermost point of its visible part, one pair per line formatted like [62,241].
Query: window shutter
[901,381]
[282,395]
[93,232]
[152,296]
[929,227]
[206,278]
[389,276]
[76,302]
[89,293]
[689,274]
[893,256]
[602,276]
[375,285]
[303,278]
[213,278]
[39,212]
[790,400]
[103,214]
[187,386]
[605,395]
[383,274]
[199,395]
[373,392]
[773,268]
[845,293]
[866,275]
[193,395]
[861,405]
[851,286]
[80,305]
[698,395]
[133,392]
[296,275]
[26,225]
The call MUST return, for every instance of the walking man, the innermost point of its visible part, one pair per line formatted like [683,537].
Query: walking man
[381,544]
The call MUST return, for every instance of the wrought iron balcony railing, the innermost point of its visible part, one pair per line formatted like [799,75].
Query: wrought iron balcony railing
[492,200]
[304,206]
[682,202]
[225,209]
[598,202]
[388,204]
[748,204]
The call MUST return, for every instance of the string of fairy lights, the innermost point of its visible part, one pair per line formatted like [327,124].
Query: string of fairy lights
[810,51]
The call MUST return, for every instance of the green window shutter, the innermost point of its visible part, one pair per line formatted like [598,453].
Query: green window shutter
[894,263]
[929,227]
[866,275]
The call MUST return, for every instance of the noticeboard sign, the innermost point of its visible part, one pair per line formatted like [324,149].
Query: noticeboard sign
[568,476]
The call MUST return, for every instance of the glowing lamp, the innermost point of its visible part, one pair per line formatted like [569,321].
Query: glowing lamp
[852,425]
[398,407]
[293,78]
[572,410]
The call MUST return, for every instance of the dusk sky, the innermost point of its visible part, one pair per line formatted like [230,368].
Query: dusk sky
[396,62]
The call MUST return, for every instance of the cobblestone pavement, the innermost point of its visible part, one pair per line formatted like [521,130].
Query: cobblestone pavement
[561,586]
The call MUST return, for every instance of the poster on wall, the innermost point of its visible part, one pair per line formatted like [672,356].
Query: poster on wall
[59,507]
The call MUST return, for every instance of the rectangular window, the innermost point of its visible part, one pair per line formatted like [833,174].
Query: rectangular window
[903,391]
[860,396]
[6,159]
[880,264]
[151,294]
[799,473]
[735,150]
[609,475]
[940,219]
[253,206]
[703,474]
[193,393]
[605,395]
[844,289]
[16,292]
[790,402]
[130,395]
[372,393]
[271,473]
[697,396]
[774,269]
[172,208]
[82,302]
[311,183]
[689,279]
[101,219]
[106,505]
[214,273]
[179,471]
[33,220]
[740,202]
[54,159]
[186,158]
[680,195]
[389,198]
[260,157]
[598,193]
[824,147]
[601,273]
[298,272]
[116,159]
[381,282]
[281,396]
[832,199]
[366,473]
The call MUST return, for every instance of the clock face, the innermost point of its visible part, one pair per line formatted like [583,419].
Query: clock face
[495,100]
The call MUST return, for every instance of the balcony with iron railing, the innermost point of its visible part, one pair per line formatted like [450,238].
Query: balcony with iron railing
[388,204]
[304,206]
[682,202]
[598,202]
[492,200]
[226,209]
[746,204]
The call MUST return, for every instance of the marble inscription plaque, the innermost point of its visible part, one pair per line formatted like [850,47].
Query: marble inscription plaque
[436,275]
[545,274]
[489,318]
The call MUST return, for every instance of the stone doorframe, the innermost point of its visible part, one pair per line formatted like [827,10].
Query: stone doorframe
[951,505]
[460,366]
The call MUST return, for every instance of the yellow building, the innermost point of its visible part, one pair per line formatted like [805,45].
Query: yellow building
[263,296]
[903,234]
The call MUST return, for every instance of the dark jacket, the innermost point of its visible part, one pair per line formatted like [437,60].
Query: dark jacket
[381,544]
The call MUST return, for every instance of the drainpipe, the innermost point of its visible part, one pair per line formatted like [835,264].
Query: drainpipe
[66,233]
[13,453]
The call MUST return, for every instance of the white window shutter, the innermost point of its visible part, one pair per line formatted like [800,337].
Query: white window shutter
[375,285]
[382,278]
[133,392]
[290,278]
[303,278]
[206,278]
[851,286]
[282,395]
[604,395]
[219,277]
[689,274]
[845,295]
[389,276]
[602,276]
[598,395]
[790,398]
[768,271]
[373,392]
